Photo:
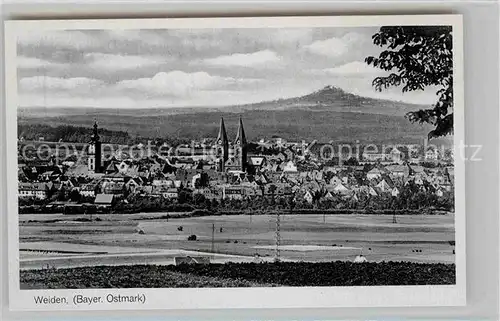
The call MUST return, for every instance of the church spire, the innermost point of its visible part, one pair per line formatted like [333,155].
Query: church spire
[222,137]
[95,135]
[241,146]
[222,146]
[241,139]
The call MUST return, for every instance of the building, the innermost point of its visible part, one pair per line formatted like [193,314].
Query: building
[170,193]
[396,156]
[209,193]
[375,173]
[373,157]
[88,190]
[289,167]
[431,154]
[233,192]
[238,159]
[222,147]
[104,200]
[35,190]
[95,152]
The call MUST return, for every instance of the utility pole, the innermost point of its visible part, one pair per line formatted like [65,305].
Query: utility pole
[278,237]
[213,235]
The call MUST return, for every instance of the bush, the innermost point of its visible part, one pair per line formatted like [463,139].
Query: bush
[280,273]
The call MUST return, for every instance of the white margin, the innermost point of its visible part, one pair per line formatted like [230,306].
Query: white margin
[228,298]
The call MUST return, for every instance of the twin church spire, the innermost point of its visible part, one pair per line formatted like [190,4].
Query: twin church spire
[239,148]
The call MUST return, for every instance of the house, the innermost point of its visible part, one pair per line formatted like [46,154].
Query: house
[163,182]
[289,154]
[257,161]
[209,193]
[308,197]
[116,177]
[35,190]
[341,189]
[133,183]
[328,195]
[400,170]
[335,180]
[395,192]
[170,193]
[289,167]
[431,154]
[232,192]
[373,157]
[116,188]
[124,166]
[145,190]
[384,186]
[104,200]
[88,190]
[375,173]
[111,168]
[367,190]
[395,155]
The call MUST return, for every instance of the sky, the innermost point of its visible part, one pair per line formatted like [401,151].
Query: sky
[195,67]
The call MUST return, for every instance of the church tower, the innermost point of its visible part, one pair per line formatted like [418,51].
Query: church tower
[240,146]
[222,147]
[95,157]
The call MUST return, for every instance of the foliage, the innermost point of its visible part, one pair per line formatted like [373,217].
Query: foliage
[243,274]
[419,57]
[69,134]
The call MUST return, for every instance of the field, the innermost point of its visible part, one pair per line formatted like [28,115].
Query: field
[53,244]
[58,240]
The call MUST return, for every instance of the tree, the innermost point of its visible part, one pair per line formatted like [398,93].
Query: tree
[75,196]
[61,194]
[419,57]
[351,162]
[184,196]
[198,199]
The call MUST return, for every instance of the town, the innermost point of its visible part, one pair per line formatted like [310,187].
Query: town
[236,175]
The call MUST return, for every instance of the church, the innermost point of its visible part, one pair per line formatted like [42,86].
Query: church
[94,161]
[231,158]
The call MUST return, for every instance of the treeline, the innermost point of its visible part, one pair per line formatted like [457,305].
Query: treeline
[408,201]
[70,134]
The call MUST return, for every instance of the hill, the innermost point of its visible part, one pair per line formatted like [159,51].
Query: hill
[329,114]
[331,98]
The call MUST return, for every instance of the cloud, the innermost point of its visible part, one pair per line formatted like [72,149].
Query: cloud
[34,63]
[63,99]
[335,47]
[179,83]
[67,39]
[135,35]
[39,83]
[255,59]
[291,35]
[120,62]
[354,68]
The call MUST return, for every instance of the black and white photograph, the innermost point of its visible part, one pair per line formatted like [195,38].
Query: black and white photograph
[235,153]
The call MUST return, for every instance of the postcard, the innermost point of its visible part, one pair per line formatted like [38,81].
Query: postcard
[217,163]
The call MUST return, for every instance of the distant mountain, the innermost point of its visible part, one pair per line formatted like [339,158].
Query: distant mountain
[331,98]
[329,114]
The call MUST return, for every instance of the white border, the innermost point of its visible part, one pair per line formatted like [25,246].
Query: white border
[226,298]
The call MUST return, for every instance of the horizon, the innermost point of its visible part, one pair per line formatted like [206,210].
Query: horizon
[227,106]
[182,68]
